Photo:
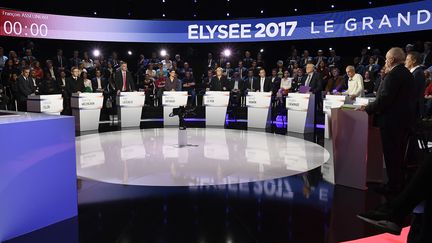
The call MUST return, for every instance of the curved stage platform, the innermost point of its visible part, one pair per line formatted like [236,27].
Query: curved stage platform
[151,157]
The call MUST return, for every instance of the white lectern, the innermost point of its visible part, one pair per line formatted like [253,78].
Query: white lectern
[50,104]
[130,105]
[362,101]
[331,101]
[170,100]
[86,109]
[216,103]
[258,112]
[301,112]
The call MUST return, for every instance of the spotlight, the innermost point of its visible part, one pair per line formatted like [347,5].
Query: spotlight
[129,14]
[163,15]
[163,52]
[194,15]
[370,3]
[129,52]
[227,14]
[163,1]
[330,49]
[332,6]
[368,47]
[262,50]
[96,53]
[295,10]
[95,13]
[227,52]
[262,11]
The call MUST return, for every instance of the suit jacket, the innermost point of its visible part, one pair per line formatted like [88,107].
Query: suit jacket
[219,84]
[63,61]
[267,84]
[25,88]
[231,83]
[315,82]
[275,85]
[427,57]
[418,90]
[248,82]
[104,83]
[118,80]
[73,86]
[392,107]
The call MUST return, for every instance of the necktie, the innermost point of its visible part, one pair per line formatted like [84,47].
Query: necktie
[251,81]
[308,80]
[124,81]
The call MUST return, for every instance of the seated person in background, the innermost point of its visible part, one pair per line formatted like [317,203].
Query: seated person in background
[372,66]
[297,81]
[368,84]
[99,83]
[285,85]
[336,82]
[148,87]
[173,83]
[219,81]
[189,86]
[355,83]
[379,79]
[150,71]
[250,81]
[274,76]
[49,85]
[88,87]
[236,87]
[160,87]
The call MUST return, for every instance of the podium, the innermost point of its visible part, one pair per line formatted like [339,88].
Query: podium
[216,103]
[50,104]
[357,149]
[86,109]
[258,109]
[331,101]
[130,106]
[170,100]
[301,112]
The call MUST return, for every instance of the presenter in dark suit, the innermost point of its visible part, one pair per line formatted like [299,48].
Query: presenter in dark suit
[219,82]
[25,88]
[264,83]
[124,81]
[312,79]
[393,113]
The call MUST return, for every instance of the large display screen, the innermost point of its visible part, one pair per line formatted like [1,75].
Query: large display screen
[391,19]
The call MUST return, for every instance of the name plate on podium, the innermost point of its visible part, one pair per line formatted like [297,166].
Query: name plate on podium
[360,101]
[216,103]
[258,113]
[87,101]
[170,100]
[333,101]
[297,101]
[258,99]
[51,104]
[130,108]
[216,98]
[131,99]
[86,109]
[301,112]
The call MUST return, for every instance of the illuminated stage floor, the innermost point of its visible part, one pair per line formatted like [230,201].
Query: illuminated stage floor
[151,157]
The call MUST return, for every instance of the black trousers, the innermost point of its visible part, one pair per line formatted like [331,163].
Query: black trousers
[394,141]
[22,105]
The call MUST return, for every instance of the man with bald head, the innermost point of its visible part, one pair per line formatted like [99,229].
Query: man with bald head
[393,114]
[312,79]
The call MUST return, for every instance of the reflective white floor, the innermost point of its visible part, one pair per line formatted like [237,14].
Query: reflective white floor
[220,156]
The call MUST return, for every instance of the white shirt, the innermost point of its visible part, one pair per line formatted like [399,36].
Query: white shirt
[286,83]
[262,84]
[355,86]
[414,68]
[63,81]
[98,79]
[308,79]
[51,70]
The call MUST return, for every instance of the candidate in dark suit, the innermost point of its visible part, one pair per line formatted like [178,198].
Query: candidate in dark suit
[123,79]
[25,88]
[74,84]
[219,82]
[264,83]
[393,114]
[99,83]
[312,79]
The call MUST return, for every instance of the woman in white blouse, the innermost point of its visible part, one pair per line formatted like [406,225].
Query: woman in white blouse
[285,86]
[355,83]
